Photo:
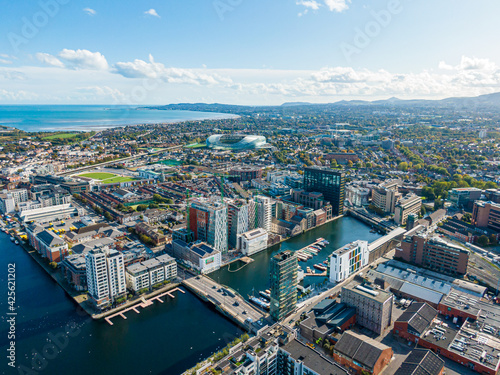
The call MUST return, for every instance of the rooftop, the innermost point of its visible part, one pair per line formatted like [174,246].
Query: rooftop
[421,362]
[313,359]
[360,348]
[367,291]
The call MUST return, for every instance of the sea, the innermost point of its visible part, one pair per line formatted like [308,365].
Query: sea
[34,118]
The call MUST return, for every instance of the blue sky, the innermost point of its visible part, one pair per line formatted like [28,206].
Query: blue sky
[246,51]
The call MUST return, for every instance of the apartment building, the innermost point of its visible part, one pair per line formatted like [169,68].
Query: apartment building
[105,276]
[264,212]
[208,222]
[348,259]
[386,195]
[434,253]
[486,215]
[410,204]
[283,284]
[151,272]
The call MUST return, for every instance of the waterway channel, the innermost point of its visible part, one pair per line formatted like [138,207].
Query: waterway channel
[254,277]
[165,338]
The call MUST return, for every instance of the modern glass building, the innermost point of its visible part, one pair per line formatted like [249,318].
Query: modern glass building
[329,182]
[283,284]
[236,141]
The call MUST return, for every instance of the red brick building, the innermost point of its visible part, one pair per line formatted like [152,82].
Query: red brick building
[473,343]
[362,354]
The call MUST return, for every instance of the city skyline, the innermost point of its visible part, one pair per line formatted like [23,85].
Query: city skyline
[58,52]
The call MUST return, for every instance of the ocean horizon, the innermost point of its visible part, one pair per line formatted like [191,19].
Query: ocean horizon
[50,118]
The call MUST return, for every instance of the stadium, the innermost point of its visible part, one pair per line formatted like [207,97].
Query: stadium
[236,141]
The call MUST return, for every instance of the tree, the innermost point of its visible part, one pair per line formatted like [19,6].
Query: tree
[108,216]
[403,166]
[483,240]
[142,207]
[493,239]
[467,218]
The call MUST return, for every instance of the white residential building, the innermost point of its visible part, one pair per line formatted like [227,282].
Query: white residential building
[137,277]
[19,195]
[105,276]
[253,241]
[156,271]
[348,259]
[151,272]
[7,204]
[264,212]
[116,273]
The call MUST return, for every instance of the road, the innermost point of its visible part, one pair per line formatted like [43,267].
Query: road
[484,270]
[236,306]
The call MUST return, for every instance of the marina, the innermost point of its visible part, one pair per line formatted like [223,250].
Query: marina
[143,304]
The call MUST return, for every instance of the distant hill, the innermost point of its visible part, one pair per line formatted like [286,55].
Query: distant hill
[488,102]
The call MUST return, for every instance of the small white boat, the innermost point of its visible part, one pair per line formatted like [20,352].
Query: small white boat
[16,242]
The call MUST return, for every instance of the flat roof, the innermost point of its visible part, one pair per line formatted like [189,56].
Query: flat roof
[382,240]
[365,290]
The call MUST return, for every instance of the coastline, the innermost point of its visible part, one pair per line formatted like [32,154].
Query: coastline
[122,117]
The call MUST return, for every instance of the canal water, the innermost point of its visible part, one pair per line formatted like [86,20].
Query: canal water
[165,338]
[254,277]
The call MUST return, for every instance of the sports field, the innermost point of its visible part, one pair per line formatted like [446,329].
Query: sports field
[106,178]
[61,136]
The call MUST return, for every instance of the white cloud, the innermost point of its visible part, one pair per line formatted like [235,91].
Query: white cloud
[337,5]
[474,63]
[470,63]
[49,60]
[151,82]
[4,61]
[152,12]
[90,11]
[16,96]
[310,4]
[153,70]
[84,59]
[445,66]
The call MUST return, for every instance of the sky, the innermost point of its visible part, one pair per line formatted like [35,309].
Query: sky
[249,52]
